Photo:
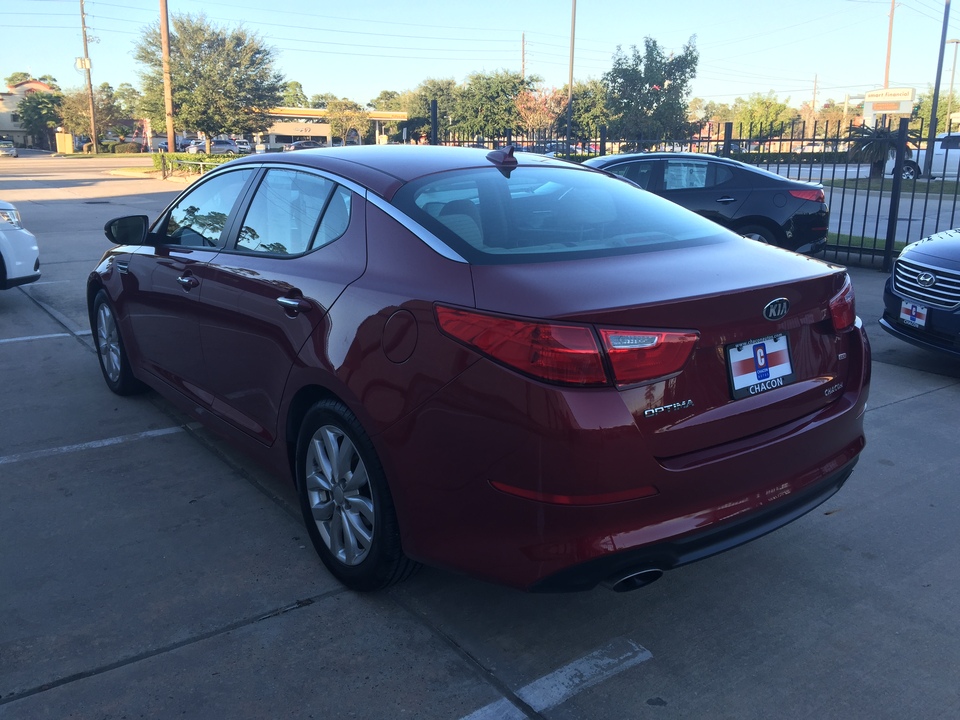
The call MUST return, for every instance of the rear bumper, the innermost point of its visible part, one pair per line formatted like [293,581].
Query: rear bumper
[696,546]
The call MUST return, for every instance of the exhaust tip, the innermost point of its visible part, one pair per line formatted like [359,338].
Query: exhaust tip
[633,580]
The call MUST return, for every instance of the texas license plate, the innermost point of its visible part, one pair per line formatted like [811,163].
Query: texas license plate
[913,314]
[759,365]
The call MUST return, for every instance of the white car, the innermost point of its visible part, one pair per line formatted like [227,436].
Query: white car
[19,254]
[244,146]
[8,148]
[946,159]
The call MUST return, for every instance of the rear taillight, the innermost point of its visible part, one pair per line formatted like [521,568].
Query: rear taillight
[637,355]
[568,354]
[843,309]
[815,194]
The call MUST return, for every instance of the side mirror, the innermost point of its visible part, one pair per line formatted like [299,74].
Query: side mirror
[129,230]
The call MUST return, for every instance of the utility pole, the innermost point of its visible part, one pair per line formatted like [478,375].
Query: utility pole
[886,69]
[573,28]
[86,70]
[523,56]
[167,85]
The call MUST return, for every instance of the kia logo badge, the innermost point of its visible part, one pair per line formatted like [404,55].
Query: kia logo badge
[777,309]
[926,279]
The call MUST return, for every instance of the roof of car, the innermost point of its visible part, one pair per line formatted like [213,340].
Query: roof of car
[385,168]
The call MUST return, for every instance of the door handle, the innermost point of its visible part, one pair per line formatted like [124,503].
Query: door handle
[294,305]
[187,282]
[726,199]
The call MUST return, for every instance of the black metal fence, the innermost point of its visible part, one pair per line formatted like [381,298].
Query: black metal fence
[875,209]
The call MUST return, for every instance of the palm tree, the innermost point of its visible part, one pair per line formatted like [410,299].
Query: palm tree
[876,145]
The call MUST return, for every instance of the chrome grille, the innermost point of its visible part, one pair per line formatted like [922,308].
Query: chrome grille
[944,293]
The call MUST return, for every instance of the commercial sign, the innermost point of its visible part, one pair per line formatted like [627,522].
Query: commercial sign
[895,101]
[891,95]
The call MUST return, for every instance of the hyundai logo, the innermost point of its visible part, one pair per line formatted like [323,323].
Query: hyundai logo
[926,279]
[777,309]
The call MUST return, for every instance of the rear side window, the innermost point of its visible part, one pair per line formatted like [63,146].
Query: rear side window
[694,174]
[531,214]
[293,212]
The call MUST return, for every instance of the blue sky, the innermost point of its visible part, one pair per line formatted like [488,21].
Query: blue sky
[357,49]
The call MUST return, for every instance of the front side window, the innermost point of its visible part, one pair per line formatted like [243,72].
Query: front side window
[293,212]
[200,217]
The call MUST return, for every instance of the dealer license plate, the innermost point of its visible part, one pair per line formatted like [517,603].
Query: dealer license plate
[759,365]
[913,314]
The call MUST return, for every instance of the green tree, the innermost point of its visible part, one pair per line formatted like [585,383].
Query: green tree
[389,100]
[925,111]
[75,111]
[416,103]
[49,80]
[293,96]
[762,114]
[346,115]
[648,91]
[590,111]
[876,145]
[223,81]
[321,100]
[127,99]
[17,77]
[40,115]
[486,105]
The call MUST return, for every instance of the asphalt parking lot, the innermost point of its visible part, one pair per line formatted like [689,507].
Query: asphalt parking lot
[149,572]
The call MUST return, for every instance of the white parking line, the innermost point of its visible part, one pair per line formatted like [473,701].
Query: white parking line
[93,445]
[561,685]
[27,338]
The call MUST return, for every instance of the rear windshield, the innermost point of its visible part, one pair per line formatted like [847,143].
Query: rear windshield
[532,214]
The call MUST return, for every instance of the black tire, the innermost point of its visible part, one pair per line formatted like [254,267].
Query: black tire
[346,503]
[111,352]
[911,171]
[759,233]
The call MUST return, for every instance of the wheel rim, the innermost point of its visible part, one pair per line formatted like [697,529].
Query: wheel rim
[339,494]
[108,342]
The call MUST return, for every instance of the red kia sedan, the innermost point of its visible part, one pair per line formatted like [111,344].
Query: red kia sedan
[507,366]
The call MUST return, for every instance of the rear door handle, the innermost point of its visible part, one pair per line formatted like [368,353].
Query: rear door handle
[294,305]
[726,199]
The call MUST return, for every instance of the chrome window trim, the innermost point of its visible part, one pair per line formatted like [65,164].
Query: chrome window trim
[427,237]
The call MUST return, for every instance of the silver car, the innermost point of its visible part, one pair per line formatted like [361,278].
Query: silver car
[19,254]
[217,147]
[8,148]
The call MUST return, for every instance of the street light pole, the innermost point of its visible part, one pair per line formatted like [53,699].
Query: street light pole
[932,134]
[953,72]
[86,70]
[573,29]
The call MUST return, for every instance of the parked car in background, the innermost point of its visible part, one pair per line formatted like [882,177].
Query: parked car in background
[217,147]
[19,254]
[921,297]
[945,162]
[243,146]
[8,149]
[509,366]
[302,145]
[162,146]
[752,202]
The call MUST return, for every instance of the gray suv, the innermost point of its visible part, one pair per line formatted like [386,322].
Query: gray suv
[217,147]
